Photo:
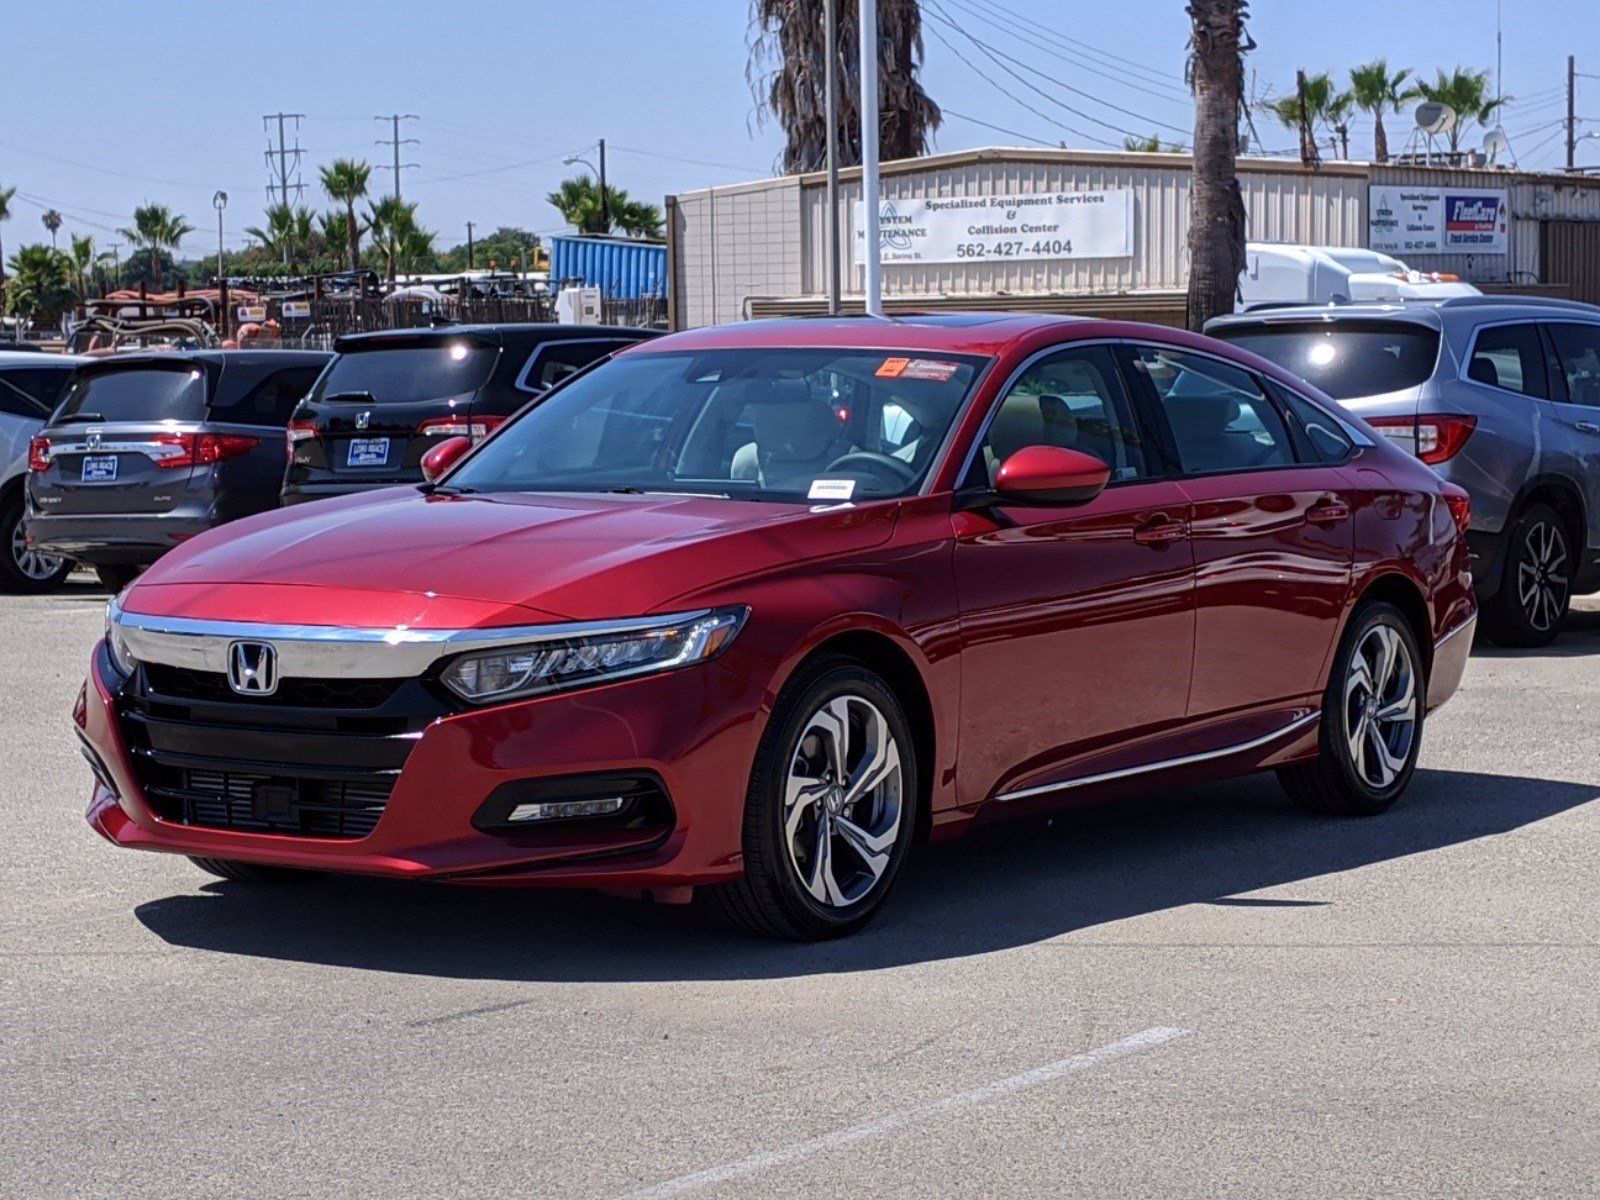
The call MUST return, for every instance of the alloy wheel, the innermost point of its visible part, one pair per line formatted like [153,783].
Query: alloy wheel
[1380,706]
[1542,575]
[843,801]
[37,567]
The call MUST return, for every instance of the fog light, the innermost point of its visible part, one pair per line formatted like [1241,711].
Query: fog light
[566,810]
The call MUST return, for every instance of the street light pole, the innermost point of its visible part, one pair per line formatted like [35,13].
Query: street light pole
[605,204]
[219,202]
[830,76]
[873,298]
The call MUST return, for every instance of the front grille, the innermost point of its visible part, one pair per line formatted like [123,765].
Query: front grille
[183,683]
[318,759]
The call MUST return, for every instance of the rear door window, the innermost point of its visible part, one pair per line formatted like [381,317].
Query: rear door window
[1221,420]
[407,372]
[1345,359]
[1509,357]
[554,361]
[32,392]
[145,393]
[272,400]
[1578,353]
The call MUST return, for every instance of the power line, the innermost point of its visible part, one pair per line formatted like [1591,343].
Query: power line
[1027,137]
[395,142]
[995,56]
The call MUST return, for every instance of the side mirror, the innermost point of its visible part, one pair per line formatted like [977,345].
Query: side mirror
[1051,475]
[438,461]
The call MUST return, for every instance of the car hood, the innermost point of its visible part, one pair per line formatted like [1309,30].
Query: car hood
[400,557]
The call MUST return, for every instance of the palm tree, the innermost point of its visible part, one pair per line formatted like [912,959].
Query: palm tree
[5,215]
[578,202]
[41,282]
[1326,108]
[287,232]
[156,228]
[345,181]
[787,73]
[82,258]
[1376,91]
[334,226]
[1152,145]
[1467,92]
[393,224]
[1216,212]
[638,219]
[52,222]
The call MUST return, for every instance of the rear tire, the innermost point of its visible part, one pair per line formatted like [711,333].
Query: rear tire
[115,578]
[24,571]
[830,810]
[1531,605]
[1372,714]
[241,872]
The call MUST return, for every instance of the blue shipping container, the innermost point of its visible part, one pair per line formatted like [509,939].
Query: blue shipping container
[620,268]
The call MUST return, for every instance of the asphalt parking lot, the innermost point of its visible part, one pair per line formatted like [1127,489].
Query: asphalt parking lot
[1197,994]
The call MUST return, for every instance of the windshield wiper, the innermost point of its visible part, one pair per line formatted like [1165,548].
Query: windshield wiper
[447,489]
[638,491]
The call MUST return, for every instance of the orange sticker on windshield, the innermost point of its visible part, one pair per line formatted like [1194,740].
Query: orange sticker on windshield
[929,368]
[892,367]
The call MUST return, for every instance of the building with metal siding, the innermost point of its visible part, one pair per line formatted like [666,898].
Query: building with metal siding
[760,248]
[622,268]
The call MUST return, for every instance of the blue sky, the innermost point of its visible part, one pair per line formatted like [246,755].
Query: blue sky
[107,105]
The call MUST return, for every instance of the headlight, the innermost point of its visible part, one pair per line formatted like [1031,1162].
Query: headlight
[509,672]
[120,654]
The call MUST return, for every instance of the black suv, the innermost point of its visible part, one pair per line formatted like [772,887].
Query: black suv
[388,398]
[147,450]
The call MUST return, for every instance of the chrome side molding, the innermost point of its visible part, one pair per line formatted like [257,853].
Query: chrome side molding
[1186,760]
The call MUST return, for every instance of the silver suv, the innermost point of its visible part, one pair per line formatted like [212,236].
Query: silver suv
[1501,395]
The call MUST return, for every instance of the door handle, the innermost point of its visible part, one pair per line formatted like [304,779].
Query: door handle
[1330,513]
[1587,427]
[1160,532]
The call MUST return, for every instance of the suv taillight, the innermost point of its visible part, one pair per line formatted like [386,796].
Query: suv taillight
[477,429]
[1439,436]
[297,432]
[201,449]
[39,454]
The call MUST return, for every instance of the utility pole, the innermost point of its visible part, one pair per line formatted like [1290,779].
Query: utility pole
[873,282]
[830,77]
[1572,103]
[469,245]
[395,141]
[284,154]
[605,201]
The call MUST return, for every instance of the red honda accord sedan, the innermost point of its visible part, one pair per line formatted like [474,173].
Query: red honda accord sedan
[750,610]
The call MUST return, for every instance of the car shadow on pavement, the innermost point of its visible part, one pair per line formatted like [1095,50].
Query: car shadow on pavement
[1002,886]
[1579,637]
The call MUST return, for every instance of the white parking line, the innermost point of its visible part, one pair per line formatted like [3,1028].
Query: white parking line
[1050,1072]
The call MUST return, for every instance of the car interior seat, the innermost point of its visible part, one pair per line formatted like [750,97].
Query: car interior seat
[796,436]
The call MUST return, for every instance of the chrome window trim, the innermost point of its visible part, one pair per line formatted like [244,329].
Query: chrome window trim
[343,651]
[1186,760]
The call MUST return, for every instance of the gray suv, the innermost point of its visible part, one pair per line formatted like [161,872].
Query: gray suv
[1501,395]
[31,384]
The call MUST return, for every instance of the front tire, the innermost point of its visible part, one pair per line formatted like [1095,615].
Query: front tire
[24,570]
[256,873]
[1531,605]
[830,810]
[1372,715]
[115,578]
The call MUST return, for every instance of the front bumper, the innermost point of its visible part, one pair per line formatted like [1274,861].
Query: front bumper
[695,729]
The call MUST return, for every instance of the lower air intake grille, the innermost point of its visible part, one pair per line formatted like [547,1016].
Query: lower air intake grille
[252,803]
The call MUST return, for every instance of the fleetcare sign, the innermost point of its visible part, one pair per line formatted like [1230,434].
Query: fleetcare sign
[1047,225]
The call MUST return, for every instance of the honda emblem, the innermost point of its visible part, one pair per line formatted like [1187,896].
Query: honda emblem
[363,419]
[94,439]
[253,668]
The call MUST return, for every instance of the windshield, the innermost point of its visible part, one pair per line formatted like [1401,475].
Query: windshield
[787,425]
[401,373]
[176,393]
[1346,359]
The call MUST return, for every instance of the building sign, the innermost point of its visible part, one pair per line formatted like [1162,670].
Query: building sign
[984,229]
[1420,220]
[296,308]
[252,312]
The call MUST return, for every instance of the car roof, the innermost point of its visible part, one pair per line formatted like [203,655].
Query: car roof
[37,358]
[955,333]
[1432,313]
[280,358]
[525,331]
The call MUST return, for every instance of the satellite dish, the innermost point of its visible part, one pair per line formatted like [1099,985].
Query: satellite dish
[1495,144]
[1434,117]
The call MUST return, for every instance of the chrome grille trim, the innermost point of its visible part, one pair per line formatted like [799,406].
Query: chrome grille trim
[342,651]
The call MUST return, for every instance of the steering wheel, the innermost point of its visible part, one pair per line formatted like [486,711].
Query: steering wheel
[885,466]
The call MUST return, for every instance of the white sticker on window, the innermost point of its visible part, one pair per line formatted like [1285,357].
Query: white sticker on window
[831,489]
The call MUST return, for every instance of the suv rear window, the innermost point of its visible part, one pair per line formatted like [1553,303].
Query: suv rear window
[1345,359]
[175,393]
[408,372]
